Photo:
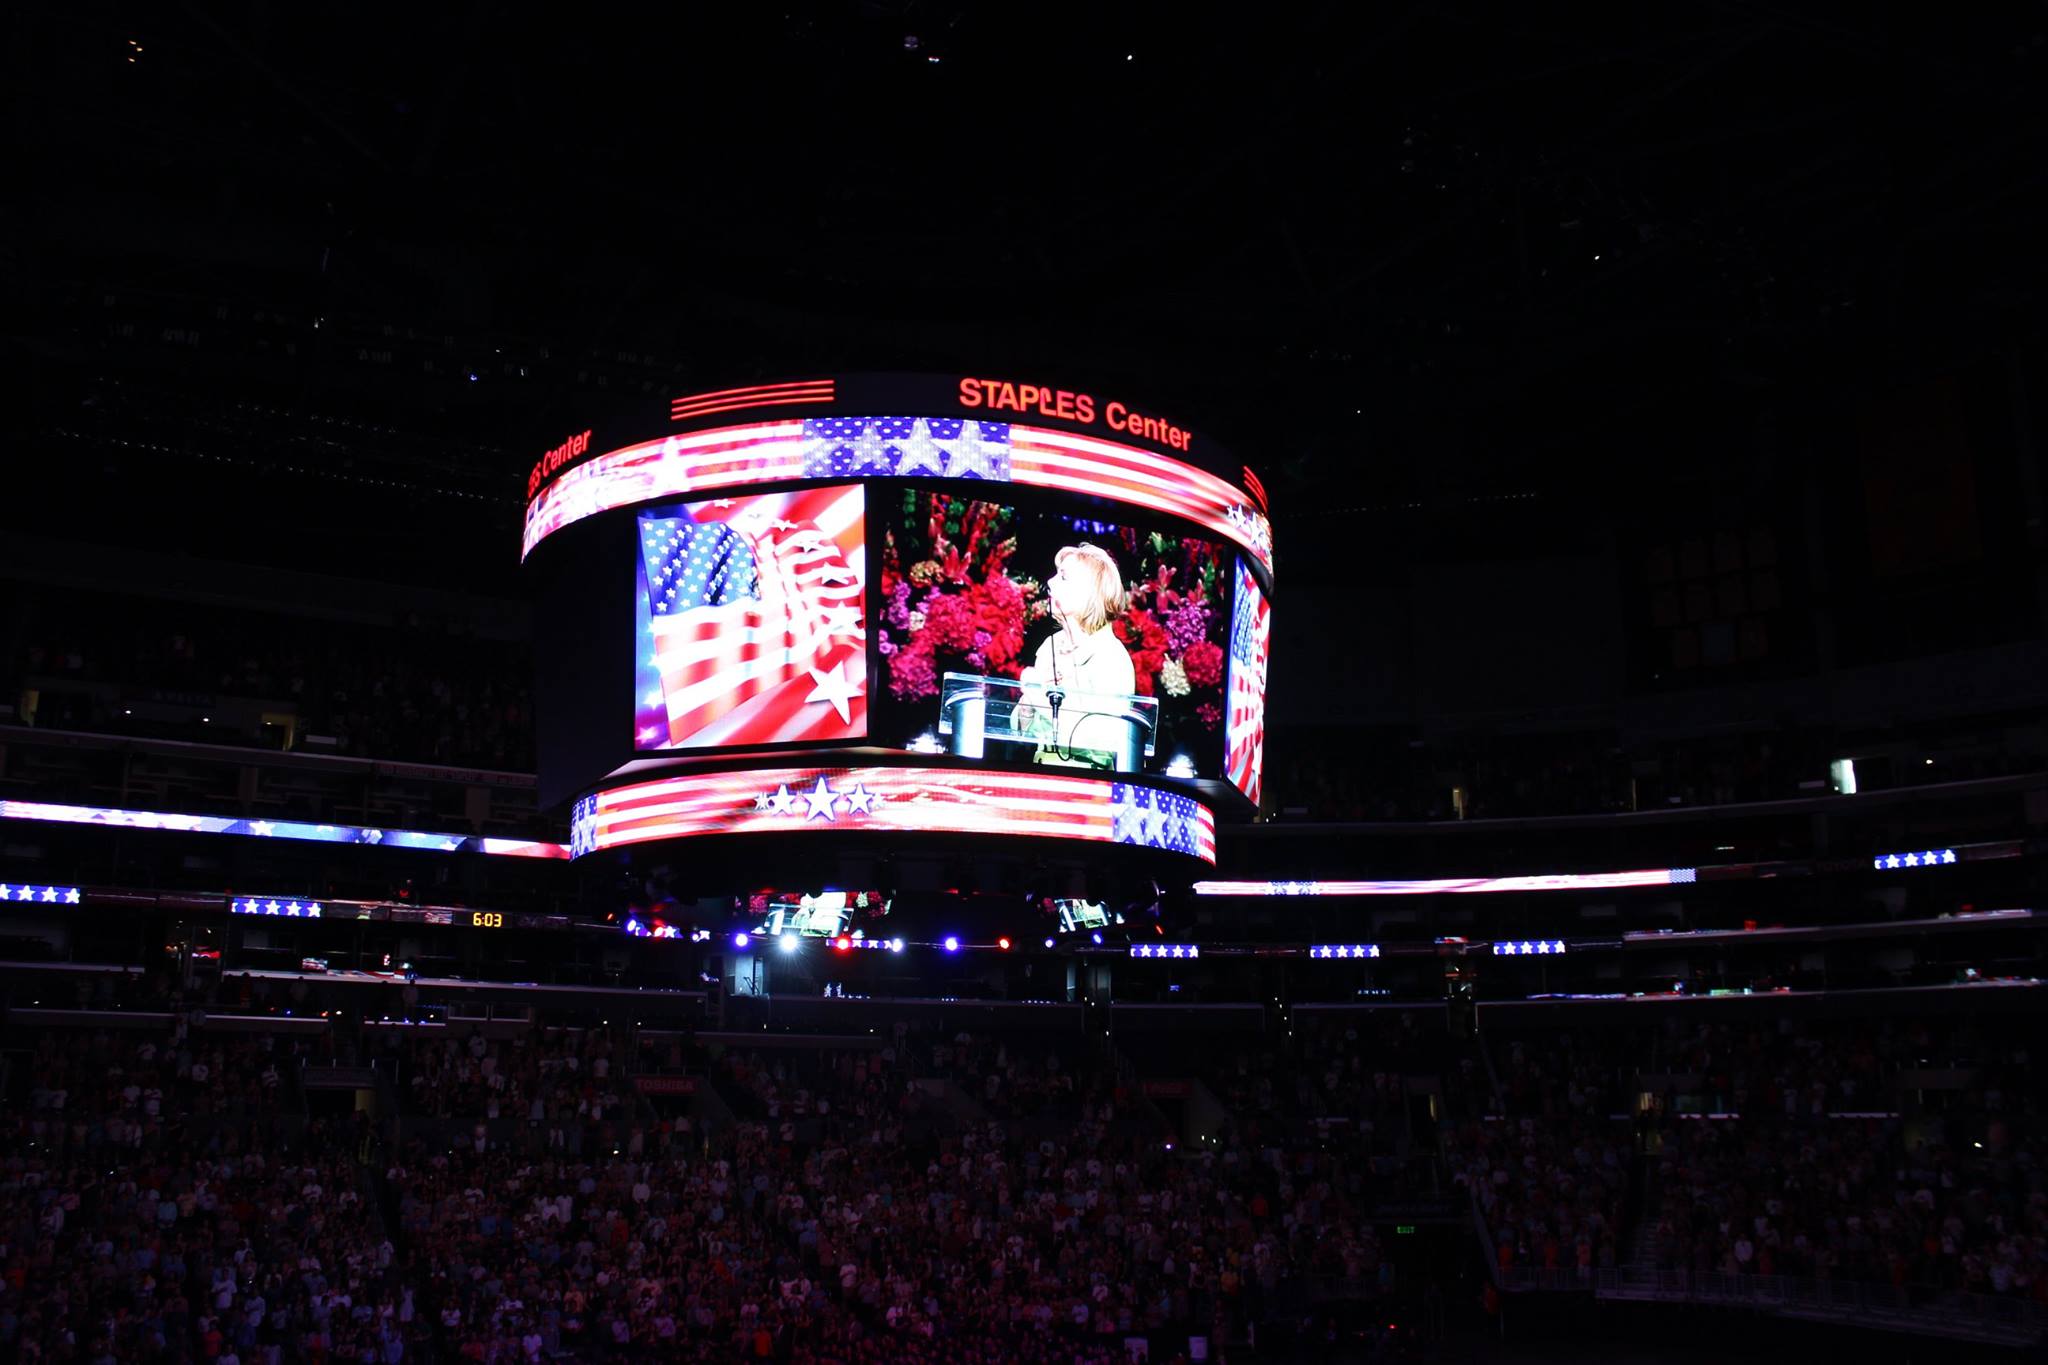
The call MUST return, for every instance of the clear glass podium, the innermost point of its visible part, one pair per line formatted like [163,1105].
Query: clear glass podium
[1094,730]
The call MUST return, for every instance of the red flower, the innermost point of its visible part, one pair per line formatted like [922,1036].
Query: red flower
[949,623]
[1145,663]
[1204,663]
[1140,629]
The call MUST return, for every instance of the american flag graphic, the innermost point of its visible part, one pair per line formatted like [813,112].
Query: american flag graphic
[295,830]
[898,800]
[751,617]
[1456,886]
[1244,725]
[898,447]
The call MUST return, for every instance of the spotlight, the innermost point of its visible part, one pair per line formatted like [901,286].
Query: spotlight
[843,943]
[1048,943]
[895,945]
[1180,765]
[1003,943]
[952,944]
[740,941]
[1097,936]
[788,942]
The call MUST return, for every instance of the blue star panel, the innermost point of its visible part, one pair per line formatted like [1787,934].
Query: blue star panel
[1151,818]
[940,447]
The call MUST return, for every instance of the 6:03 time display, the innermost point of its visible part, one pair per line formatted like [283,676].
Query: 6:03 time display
[486,919]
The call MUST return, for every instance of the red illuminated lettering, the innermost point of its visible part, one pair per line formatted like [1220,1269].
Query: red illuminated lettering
[1067,405]
[555,459]
[1157,429]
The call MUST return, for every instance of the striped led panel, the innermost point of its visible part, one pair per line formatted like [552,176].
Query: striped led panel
[279,829]
[894,800]
[756,396]
[1454,886]
[898,447]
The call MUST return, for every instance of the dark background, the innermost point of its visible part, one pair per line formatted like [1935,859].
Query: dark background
[1622,373]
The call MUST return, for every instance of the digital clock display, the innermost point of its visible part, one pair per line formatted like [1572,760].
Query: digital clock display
[486,919]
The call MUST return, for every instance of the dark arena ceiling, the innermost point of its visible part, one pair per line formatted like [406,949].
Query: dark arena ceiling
[1420,257]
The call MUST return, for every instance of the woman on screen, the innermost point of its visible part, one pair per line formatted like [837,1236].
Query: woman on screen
[1083,660]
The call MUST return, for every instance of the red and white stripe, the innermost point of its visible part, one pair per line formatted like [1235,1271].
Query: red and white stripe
[905,801]
[522,848]
[703,461]
[1454,886]
[769,452]
[741,674]
[1045,458]
[754,396]
[1244,725]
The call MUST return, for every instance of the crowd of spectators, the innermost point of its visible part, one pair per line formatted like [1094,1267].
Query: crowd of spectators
[160,1201]
[1804,1158]
[832,1221]
[166,1195]
[1550,1166]
[786,1088]
[1017,1077]
[165,1198]
[1875,1200]
[545,1081]
[1340,1077]
[1899,1152]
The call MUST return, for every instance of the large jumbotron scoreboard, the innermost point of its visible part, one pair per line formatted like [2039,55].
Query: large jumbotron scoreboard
[899,605]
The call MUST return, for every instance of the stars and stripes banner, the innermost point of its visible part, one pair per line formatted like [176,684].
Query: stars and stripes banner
[903,800]
[751,614]
[1453,886]
[1244,720]
[898,447]
[279,829]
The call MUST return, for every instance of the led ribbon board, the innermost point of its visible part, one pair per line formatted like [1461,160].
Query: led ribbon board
[900,800]
[279,829]
[1454,886]
[897,447]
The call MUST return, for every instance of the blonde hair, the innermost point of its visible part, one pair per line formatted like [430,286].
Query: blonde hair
[1110,599]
